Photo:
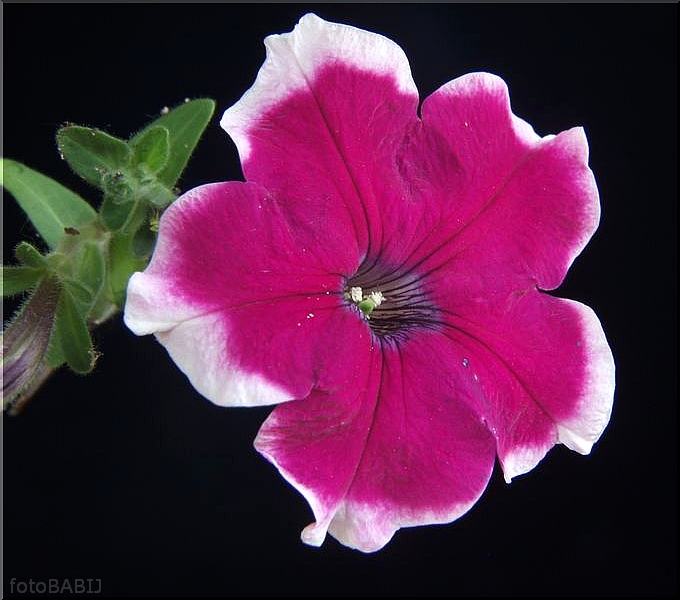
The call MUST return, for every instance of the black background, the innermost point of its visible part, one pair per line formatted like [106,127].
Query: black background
[128,475]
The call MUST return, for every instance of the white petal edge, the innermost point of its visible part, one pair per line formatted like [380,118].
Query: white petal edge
[199,348]
[196,338]
[594,407]
[293,58]
[523,459]
[469,85]
[581,432]
[381,525]
[315,533]
[370,528]
[574,141]
[150,306]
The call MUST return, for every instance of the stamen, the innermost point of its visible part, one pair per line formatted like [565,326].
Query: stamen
[377,298]
[366,305]
[392,301]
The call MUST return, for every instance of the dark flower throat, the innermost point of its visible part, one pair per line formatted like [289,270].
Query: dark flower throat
[404,307]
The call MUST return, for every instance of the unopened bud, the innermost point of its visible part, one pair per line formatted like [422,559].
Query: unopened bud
[25,342]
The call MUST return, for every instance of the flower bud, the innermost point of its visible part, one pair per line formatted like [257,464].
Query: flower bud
[25,342]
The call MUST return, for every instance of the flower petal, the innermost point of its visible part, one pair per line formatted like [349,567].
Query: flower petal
[240,298]
[468,207]
[322,120]
[403,449]
[509,204]
[317,442]
[542,369]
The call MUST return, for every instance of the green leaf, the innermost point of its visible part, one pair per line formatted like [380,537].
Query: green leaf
[152,148]
[92,153]
[185,125]
[30,256]
[81,294]
[90,269]
[54,355]
[19,279]
[73,335]
[143,242]
[119,186]
[155,193]
[122,264]
[115,214]
[49,205]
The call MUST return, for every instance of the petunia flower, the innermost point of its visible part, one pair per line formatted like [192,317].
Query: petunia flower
[382,277]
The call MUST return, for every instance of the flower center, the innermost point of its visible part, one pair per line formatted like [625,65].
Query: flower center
[392,301]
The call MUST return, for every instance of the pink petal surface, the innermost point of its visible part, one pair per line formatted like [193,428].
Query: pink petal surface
[540,371]
[489,189]
[460,217]
[402,449]
[322,121]
[243,303]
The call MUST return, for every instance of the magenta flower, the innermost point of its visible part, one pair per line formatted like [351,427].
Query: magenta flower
[382,276]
